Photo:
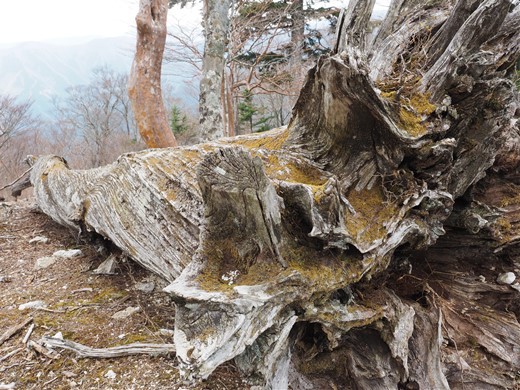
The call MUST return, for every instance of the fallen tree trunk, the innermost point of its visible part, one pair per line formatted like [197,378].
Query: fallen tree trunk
[351,247]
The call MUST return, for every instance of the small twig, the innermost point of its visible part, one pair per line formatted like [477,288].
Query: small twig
[68,309]
[87,289]
[49,382]
[17,180]
[28,334]
[50,310]
[7,356]
[124,350]
[13,330]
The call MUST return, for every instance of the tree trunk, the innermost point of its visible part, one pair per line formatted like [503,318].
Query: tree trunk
[359,247]
[298,29]
[211,101]
[144,85]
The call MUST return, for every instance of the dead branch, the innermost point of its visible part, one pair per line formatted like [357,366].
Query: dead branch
[42,350]
[13,330]
[17,179]
[28,334]
[106,353]
[12,353]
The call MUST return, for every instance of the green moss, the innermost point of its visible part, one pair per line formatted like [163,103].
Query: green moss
[46,321]
[135,338]
[322,268]
[108,295]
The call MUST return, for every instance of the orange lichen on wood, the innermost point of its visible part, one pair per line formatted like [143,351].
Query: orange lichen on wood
[144,86]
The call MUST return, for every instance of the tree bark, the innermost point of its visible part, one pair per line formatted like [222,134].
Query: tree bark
[144,85]
[212,85]
[357,248]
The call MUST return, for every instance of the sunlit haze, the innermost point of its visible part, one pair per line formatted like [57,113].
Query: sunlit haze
[43,20]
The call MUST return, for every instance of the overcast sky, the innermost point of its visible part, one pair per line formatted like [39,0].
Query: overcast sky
[44,20]
[41,20]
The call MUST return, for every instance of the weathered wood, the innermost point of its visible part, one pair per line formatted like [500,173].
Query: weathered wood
[331,251]
[21,183]
[12,353]
[352,31]
[42,350]
[481,26]
[83,351]
[14,330]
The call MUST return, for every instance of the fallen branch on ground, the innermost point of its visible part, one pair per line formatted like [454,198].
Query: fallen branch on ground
[13,330]
[113,352]
[28,334]
[42,350]
[7,356]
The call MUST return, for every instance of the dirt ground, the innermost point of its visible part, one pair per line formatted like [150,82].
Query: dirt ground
[80,305]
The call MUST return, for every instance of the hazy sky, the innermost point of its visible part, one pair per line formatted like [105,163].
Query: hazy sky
[42,20]
[39,20]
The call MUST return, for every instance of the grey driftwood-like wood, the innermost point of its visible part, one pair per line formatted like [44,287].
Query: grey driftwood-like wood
[83,351]
[357,248]
[14,330]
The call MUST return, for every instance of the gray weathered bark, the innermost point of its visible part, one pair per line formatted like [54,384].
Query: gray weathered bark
[211,101]
[357,248]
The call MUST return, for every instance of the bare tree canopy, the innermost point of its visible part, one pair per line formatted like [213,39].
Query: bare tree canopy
[15,118]
[359,247]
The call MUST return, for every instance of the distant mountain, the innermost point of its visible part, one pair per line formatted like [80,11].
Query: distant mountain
[40,71]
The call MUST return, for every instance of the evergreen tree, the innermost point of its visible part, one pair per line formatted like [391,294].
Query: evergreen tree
[178,121]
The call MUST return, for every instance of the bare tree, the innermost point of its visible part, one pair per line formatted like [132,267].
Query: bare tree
[18,127]
[144,86]
[15,118]
[97,113]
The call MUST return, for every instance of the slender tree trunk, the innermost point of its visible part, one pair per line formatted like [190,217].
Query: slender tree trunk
[211,104]
[144,86]
[298,28]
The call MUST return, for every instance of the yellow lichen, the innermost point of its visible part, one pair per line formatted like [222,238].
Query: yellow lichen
[412,111]
[271,140]
[373,212]
[259,273]
[510,201]
[280,168]
[221,257]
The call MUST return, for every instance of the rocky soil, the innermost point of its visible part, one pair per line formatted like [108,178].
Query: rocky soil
[82,305]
